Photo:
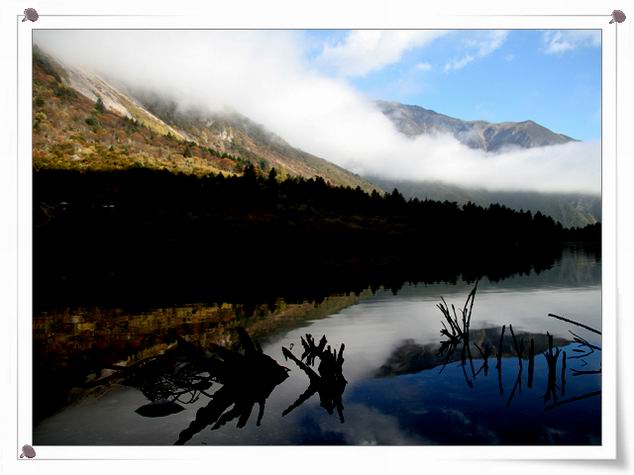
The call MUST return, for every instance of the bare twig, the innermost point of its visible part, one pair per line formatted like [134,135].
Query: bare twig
[484,354]
[531,363]
[576,372]
[499,348]
[563,374]
[499,358]
[583,341]
[519,348]
[551,360]
[516,386]
[573,399]
[575,323]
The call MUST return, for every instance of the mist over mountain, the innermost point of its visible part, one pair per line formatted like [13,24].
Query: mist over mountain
[570,209]
[233,133]
[85,121]
[412,121]
[155,131]
[268,77]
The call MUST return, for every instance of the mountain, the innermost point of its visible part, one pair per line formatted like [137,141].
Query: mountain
[414,120]
[237,135]
[570,209]
[84,121]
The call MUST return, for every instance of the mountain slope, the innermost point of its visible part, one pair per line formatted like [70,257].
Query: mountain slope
[570,209]
[414,120]
[70,131]
[130,129]
[235,134]
[83,121]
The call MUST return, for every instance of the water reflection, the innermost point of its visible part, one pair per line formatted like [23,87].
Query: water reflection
[246,376]
[78,349]
[397,386]
[412,358]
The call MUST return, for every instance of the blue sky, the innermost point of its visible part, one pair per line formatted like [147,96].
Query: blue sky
[551,77]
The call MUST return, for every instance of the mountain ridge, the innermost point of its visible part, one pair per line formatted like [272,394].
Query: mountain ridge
[413,120]
[137,129]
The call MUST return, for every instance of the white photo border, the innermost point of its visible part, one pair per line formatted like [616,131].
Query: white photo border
[607,450]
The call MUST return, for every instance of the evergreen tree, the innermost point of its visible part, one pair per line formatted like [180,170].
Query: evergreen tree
[100,106]
[249,175]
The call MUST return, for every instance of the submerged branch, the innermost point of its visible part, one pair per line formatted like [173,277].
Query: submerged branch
[575,323]
[573,399]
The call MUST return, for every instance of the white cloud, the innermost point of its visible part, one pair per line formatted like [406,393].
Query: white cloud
[369,426]
[562,41]
[424,67]
[263,75]
[364,51]
[477,47]
[459,63]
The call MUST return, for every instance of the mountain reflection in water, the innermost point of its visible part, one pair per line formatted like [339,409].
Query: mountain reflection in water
[525,379]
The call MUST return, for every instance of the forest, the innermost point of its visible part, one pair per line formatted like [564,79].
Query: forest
[129,236]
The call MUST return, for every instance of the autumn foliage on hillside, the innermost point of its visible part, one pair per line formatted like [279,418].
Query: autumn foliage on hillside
[73,133]
[81,121]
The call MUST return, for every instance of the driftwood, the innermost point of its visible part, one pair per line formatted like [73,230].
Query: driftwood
[458,327]
[328,381]
[312,351]
[248,377]
[456,330]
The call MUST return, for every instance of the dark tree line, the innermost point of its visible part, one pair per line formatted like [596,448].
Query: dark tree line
[139,231]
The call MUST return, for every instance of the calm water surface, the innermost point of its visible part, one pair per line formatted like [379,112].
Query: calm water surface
[397,390]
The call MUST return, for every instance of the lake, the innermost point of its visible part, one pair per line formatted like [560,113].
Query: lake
[113,376]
